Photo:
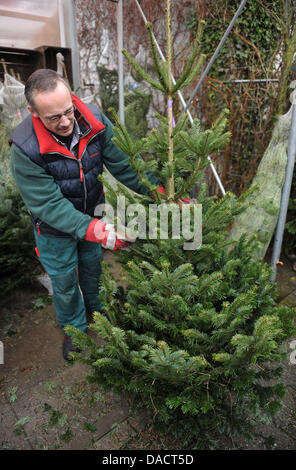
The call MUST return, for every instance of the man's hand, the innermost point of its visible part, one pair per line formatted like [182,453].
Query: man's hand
[101,232]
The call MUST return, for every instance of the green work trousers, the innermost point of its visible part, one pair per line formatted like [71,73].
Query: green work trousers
[74,268]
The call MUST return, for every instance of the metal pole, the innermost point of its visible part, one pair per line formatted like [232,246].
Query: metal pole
[62,24]
[120,59]
[285,195]
[257,80]
[219,47]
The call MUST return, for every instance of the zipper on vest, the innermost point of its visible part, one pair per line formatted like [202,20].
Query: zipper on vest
[81,174]
[81,168]
[82,179]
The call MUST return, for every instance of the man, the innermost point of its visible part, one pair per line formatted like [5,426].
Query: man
[57,154]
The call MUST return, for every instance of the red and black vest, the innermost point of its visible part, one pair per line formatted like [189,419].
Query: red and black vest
[75,173]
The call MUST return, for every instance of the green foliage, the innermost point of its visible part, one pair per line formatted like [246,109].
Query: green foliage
[261,26]
[289,241]
[195,336]
[289,244]
[136,102]
[16,237]
[198,343]
[136,109]
[108,90]
[161,69]
[19,425]
[41,302]
[253,50]
[191,149]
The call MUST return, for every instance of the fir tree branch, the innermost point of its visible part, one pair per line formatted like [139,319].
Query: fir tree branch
[159,70]
[215,208]
[190,71]
[188,184]
[194,72]
[170,163]
[125,135]
[142,72]
[180,125]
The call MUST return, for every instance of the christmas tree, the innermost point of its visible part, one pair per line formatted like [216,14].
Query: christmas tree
[16,238]
[194,334]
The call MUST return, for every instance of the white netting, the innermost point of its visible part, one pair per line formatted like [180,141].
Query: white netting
[13,101]
[264,204]
[293,94]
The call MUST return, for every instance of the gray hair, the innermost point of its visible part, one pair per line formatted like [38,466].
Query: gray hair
[40,81]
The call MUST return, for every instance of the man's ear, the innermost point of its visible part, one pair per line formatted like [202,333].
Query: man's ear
[32,111]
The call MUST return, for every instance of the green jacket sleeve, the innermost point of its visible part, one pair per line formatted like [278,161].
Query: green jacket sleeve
[43,197]
[117,164]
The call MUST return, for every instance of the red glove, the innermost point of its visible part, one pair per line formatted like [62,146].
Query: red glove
[101,232]
[160,190]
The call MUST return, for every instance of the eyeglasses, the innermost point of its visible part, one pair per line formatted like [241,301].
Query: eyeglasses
[58,117]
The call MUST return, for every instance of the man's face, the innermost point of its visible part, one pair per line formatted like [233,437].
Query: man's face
[55,110]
